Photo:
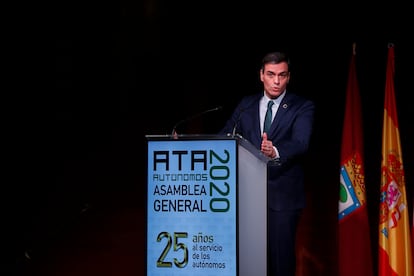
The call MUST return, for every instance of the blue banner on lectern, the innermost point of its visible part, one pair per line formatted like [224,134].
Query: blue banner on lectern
[192,207]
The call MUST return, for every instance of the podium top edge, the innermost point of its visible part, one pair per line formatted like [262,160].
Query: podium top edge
[190,137]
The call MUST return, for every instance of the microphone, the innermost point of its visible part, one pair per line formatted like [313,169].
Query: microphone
[236,124]
[242,110]
[174,133]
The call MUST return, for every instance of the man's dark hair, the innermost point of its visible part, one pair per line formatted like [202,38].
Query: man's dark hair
[275,58]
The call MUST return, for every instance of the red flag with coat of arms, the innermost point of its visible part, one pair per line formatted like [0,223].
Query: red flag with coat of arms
[354,240]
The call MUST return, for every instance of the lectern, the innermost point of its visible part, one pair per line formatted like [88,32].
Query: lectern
[206,206]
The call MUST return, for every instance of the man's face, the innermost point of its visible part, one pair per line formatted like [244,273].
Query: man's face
[275,78]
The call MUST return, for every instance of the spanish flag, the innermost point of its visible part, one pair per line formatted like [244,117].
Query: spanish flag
[354,246]
[395,252]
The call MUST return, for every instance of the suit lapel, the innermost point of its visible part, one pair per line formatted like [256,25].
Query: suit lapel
[280,114]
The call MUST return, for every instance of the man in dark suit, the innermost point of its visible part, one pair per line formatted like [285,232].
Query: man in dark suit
[286,141]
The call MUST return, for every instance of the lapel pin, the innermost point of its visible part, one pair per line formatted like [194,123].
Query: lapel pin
[284,105]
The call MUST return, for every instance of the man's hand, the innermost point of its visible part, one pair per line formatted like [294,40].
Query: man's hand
[267,147]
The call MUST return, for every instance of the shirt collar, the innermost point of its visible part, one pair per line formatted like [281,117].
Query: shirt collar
[277,101]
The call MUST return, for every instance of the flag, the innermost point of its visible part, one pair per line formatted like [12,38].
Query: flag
[354,246]
[395,252]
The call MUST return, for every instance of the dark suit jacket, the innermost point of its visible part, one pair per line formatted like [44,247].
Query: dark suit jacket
[290,132]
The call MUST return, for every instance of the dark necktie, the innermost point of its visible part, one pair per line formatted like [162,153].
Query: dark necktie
[268,118]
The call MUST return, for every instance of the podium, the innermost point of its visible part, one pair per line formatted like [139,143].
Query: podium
[206,206]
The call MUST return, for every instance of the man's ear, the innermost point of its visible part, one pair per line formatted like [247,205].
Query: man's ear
[261,75]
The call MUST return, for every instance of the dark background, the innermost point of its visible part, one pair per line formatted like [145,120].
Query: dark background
[128,69]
